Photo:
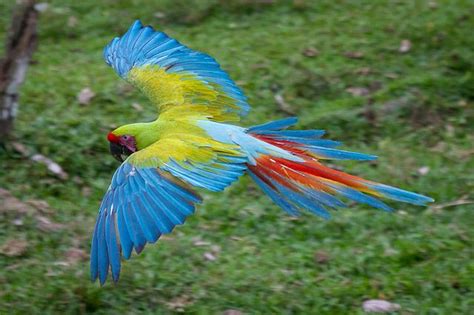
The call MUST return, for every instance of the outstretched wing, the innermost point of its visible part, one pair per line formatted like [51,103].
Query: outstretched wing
[148,195]
[140,205]
[174,77]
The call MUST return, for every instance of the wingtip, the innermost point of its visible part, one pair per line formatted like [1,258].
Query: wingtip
[385,208]
[103,276]
[138,21]
[425,200]
[136,24]
[139,248]
[116,277]
[93,270]
[93,277]
[401,195]
[292,120]
[325,216]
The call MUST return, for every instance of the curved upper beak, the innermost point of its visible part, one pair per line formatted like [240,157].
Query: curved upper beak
[118,151]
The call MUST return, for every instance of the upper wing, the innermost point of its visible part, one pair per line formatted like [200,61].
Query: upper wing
[148,195]
[172,75]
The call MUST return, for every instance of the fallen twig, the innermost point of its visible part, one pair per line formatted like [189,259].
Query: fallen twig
[459,202]
[283,105]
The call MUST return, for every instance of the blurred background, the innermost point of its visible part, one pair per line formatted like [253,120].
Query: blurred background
[392,78]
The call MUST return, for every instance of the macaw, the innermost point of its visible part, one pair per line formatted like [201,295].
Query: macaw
[195,143]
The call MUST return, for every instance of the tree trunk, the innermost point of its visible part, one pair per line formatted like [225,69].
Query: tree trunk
[20,43]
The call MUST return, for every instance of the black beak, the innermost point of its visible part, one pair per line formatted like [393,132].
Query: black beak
[117,151]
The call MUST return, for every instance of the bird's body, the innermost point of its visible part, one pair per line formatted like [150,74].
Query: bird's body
[196,142]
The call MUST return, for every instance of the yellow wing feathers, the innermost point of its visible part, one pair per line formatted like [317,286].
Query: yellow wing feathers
[169,90]
[174,76]
[181,148]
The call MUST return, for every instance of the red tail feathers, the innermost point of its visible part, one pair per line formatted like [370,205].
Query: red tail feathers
[305,183]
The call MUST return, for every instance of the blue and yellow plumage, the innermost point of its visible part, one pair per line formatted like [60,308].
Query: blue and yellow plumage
[191,144]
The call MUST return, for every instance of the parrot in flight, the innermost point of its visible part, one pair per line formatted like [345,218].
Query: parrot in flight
[195,142]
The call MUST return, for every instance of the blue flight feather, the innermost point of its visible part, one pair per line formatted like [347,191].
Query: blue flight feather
[400,194]
[278,199]
[125,237]
[112,246]
[274,125]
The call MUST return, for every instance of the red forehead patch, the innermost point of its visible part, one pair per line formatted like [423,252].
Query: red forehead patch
[112,138]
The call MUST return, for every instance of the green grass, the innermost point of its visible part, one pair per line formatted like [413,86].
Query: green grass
[420,113]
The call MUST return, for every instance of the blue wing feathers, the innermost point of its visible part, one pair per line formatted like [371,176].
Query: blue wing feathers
[175,189]
[145,220]
[171,213]
[183,208]
[143,46]
[133,227]
[193,178]
[200,176]
[140,205]
[155,204]
[177,208]
[165,225]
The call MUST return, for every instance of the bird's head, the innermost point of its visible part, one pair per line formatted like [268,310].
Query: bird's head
[121,145]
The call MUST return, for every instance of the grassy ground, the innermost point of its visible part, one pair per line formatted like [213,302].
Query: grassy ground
[416,113]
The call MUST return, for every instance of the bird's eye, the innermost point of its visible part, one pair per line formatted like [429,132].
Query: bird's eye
[125,137]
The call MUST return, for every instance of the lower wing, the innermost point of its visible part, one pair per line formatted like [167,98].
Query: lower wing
[149,195]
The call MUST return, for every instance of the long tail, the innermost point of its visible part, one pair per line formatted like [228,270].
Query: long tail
[303,182]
